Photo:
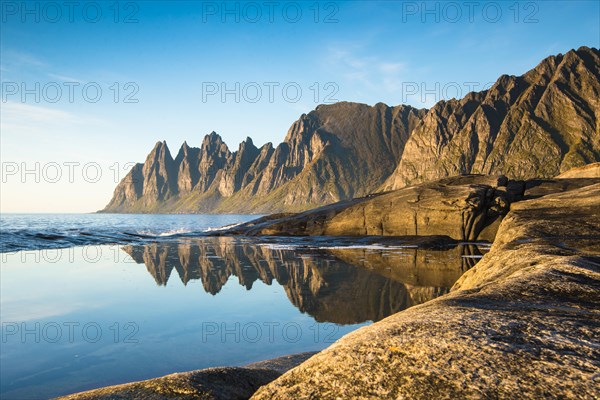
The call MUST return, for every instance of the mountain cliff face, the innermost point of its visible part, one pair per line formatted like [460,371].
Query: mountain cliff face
[536,125]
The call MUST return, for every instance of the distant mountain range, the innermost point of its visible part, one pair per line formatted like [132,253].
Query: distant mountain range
[535,125]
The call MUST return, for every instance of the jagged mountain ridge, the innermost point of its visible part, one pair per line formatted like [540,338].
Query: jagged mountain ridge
[324,158]
[536,125]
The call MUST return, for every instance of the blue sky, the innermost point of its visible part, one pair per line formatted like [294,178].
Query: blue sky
[168,55]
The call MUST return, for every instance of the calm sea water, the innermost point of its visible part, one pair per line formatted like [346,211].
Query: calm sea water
[80,317]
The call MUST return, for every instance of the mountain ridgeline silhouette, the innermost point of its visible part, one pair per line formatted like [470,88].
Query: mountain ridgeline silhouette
[536,125]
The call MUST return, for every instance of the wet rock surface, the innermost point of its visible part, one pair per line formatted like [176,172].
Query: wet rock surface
[212,383]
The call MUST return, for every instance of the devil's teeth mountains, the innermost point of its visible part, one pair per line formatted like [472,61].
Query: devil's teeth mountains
[532,126]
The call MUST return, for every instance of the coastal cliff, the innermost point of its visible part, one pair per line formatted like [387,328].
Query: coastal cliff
[335,152]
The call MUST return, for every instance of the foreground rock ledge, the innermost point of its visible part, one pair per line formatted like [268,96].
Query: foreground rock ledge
[225,383]
[524,322]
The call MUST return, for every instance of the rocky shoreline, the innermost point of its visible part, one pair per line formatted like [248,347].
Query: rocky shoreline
[524,321]
[463,208]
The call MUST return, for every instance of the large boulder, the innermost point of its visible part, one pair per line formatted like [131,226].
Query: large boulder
[464,208]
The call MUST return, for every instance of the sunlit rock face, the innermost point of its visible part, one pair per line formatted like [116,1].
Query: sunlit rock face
[532,126]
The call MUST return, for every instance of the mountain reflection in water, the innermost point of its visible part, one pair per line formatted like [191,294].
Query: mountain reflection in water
[343,285]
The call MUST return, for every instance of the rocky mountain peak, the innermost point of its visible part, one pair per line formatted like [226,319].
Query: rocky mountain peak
[247,144]
[183,152]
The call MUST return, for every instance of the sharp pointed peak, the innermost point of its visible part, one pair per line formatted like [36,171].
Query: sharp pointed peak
[160,150]
[247,142]
[183,150]
[160,145]
[213,142]
[213,136]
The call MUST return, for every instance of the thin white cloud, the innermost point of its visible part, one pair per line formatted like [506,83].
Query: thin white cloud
[374,73]
[23,118]
[21,111]
[21,58]
[65,78]
[391,68]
